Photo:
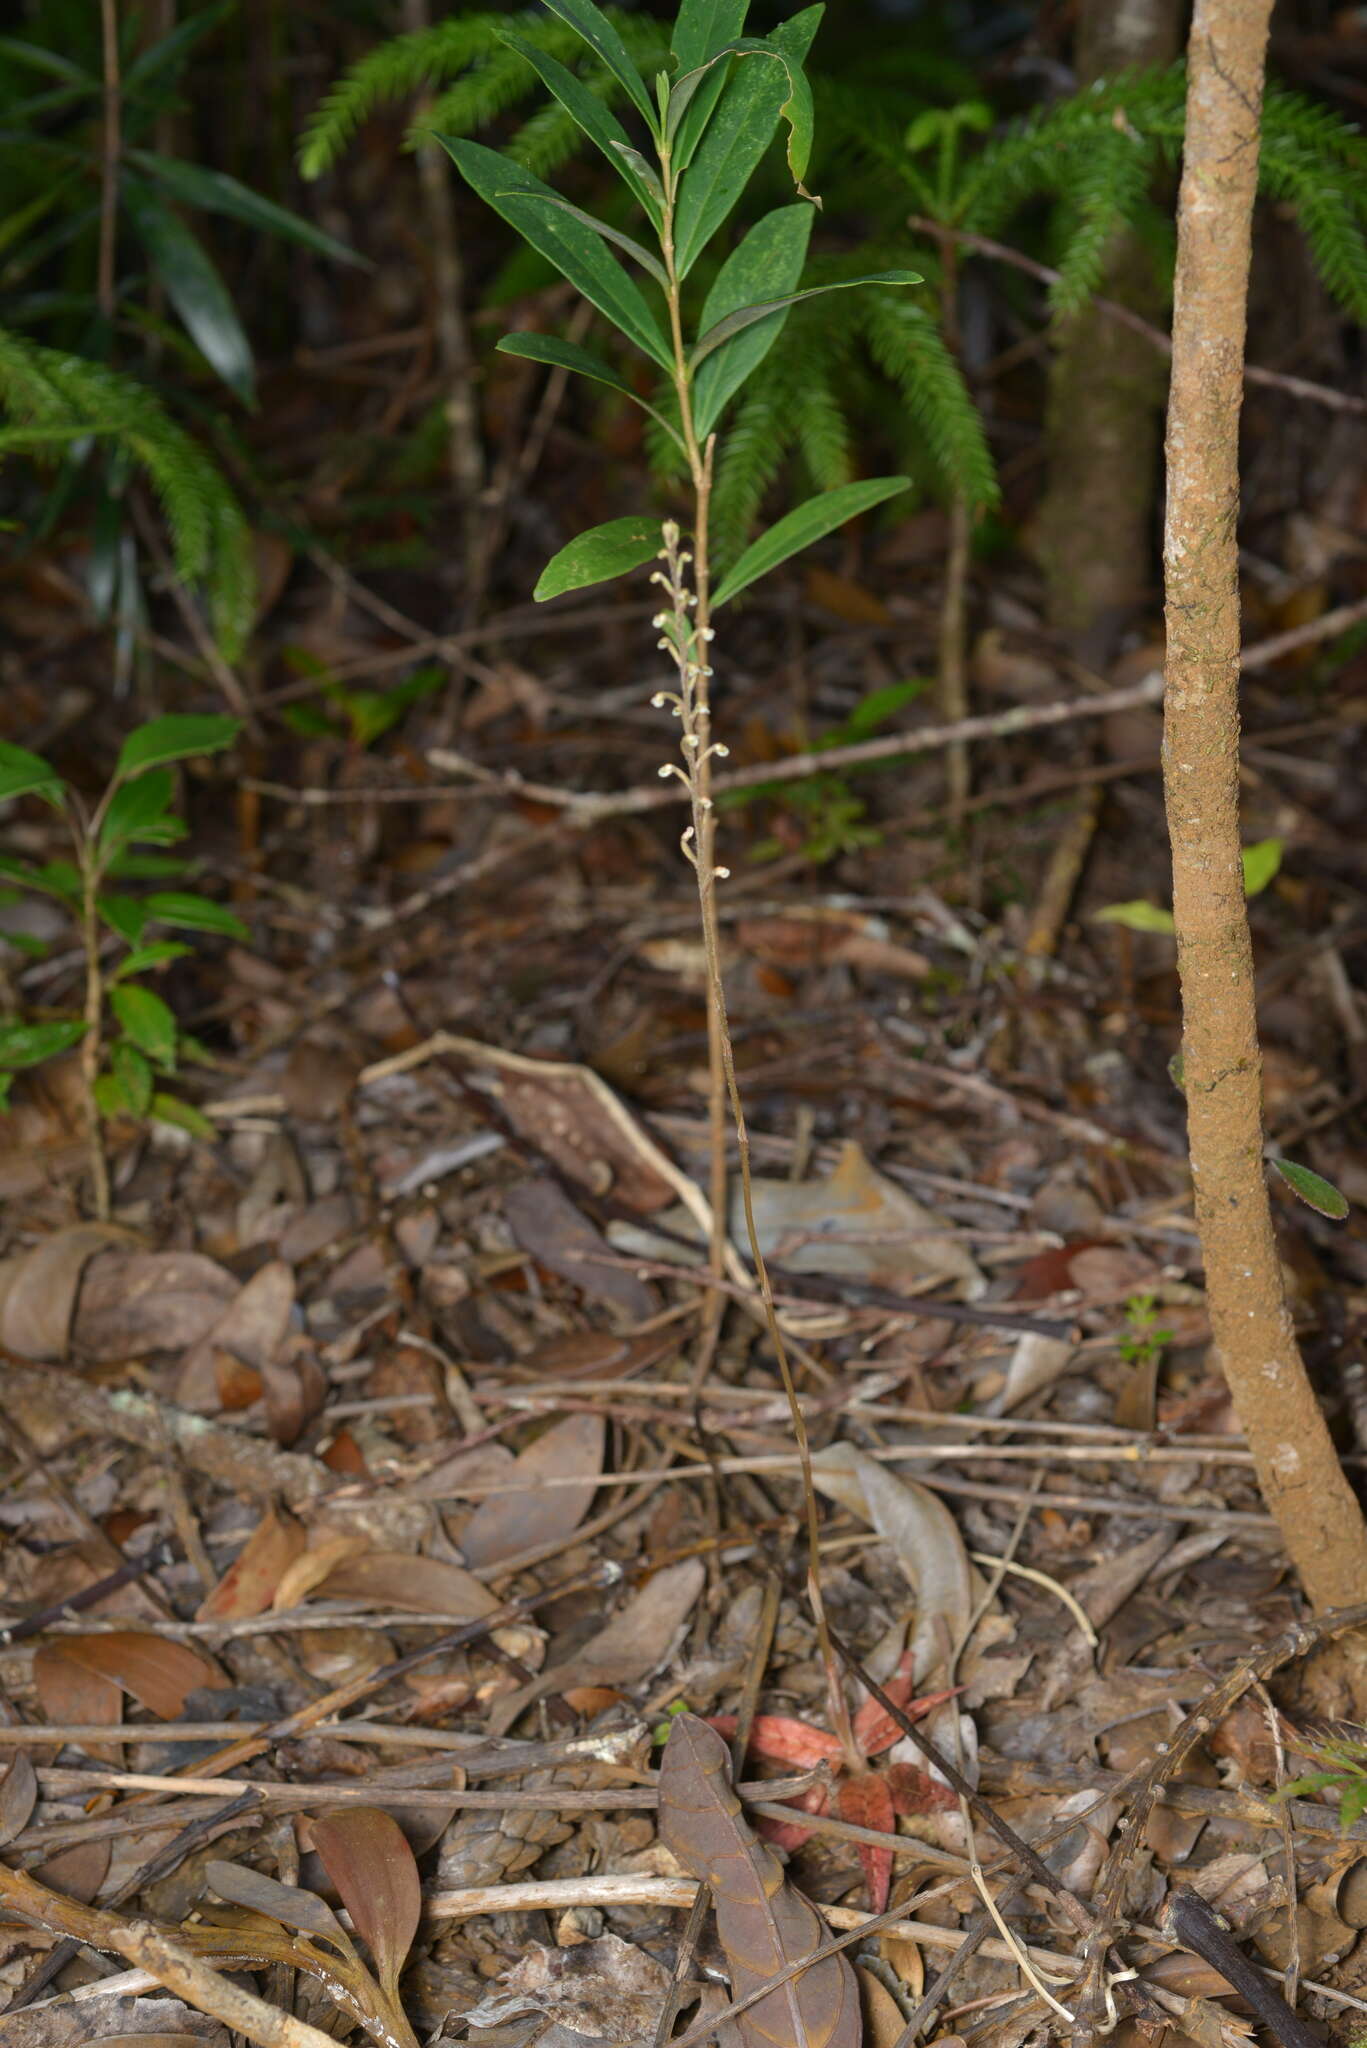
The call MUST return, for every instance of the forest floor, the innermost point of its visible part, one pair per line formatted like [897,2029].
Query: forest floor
[370,1423]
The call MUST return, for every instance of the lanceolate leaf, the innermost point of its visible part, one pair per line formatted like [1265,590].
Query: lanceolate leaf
[598,122]
[737,136]
[194,913]
[194,288]
[702,28]
[575,250]
[367,1856]
[600,35]
[215,192]
[137,810]
[567,355]
[1313,1189]
[602,552]
[745,316]
[766,265]
[148,1021]
[174,738]
[763,1923]
[818,517]
[633,248]
[28,1045]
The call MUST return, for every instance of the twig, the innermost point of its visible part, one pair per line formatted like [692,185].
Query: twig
[1194,1925]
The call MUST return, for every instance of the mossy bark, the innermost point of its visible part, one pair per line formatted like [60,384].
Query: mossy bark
[1106,388]
[1298,1469]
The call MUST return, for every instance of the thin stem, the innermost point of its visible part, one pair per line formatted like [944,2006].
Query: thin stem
[88,862]
[688,637]
[109,162]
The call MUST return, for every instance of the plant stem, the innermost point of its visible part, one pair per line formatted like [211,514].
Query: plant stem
[94,1012]
[689,639]
[109,164]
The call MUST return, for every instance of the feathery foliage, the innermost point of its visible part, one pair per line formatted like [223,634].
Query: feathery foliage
[56,401]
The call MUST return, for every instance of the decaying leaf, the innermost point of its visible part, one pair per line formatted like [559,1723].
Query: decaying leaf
[250,1331]
[152,2021]
[38,1289]
[506,1523]
[763,1923]
[925,1537]
[605,1991]
[546,1224]
[366,1854]
[420,1585]
[157,1672]
[133,1302]
[249,1584]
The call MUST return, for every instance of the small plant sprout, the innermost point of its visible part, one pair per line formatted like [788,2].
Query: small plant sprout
[707,123]
[1144,1339]
[120,1066]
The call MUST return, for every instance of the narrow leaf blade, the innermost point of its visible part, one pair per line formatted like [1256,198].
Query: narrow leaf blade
[216,192]
[174,738]
[28,1045]
[600,553]
[745,316]
[366,1854]
[193,914]
[598,122]
[195,289]
[799,528]
[600,35]
[763,1923]
[575,250]
[765,265]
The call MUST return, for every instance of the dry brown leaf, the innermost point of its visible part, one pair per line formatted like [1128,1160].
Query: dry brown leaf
[134,1302]
[634,1643]
[74,1693]
[605,1990]
[112,2022]
[249,1585]
[158,1672]
[308,1571]
[417,1585]
[537,1513]
[251,1330]
[294,1387]
[366,1854]
[38,1289]
[18,1796]
[883,2020]
[546,1224]
[763,1922]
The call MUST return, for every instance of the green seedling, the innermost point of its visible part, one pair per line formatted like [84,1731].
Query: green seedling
[1144,1339]
[128,1036]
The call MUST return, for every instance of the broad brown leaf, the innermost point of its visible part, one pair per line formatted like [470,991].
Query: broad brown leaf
[763,1923]
[158,1673]
[366,1854]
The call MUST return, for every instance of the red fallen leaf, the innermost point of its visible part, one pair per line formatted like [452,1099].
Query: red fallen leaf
[874,1728]
[790,1834]
[866,1802]
[780,1739]
[915,1791]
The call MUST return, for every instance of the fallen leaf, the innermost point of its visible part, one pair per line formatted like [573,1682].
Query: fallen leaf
[605,1990]
[539,1513]
[763,1922]
[249,1585]
[546,1224]
[159,1672]
[38,1289]
[134,1302]
[251,1330]
[367,1856]
[633,1644]
[417,1585]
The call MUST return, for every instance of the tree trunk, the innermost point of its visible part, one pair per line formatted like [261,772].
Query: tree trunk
[1298,1469]
[1106,391]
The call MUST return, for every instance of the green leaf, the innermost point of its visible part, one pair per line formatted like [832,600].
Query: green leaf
[6,1084]
[1351,1801]
[600,35]
[737,136]
[702,28]
[124,915]
[129,866]
[215,192]
[1137,916]
[25,774]
[765,265]
[745,316]
[146,1020]
[799,528]
[169,1109]
[194,288]
[137,810]
[25,942]
[567,355]
[1261,864]
[28,1045]
[576,251]
[154,955]
[602,552]
[194,913]
[598,122]
[127,1086]
[1313,1190]
[174,738]
[650,264]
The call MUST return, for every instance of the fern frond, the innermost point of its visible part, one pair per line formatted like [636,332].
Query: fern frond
[1315,164]
[1106,187]
[55,400]
[906,343]
[432,60]
[752,455]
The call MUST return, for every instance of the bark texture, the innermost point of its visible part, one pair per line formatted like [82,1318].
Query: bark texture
[1106,390]
[1298,1469]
